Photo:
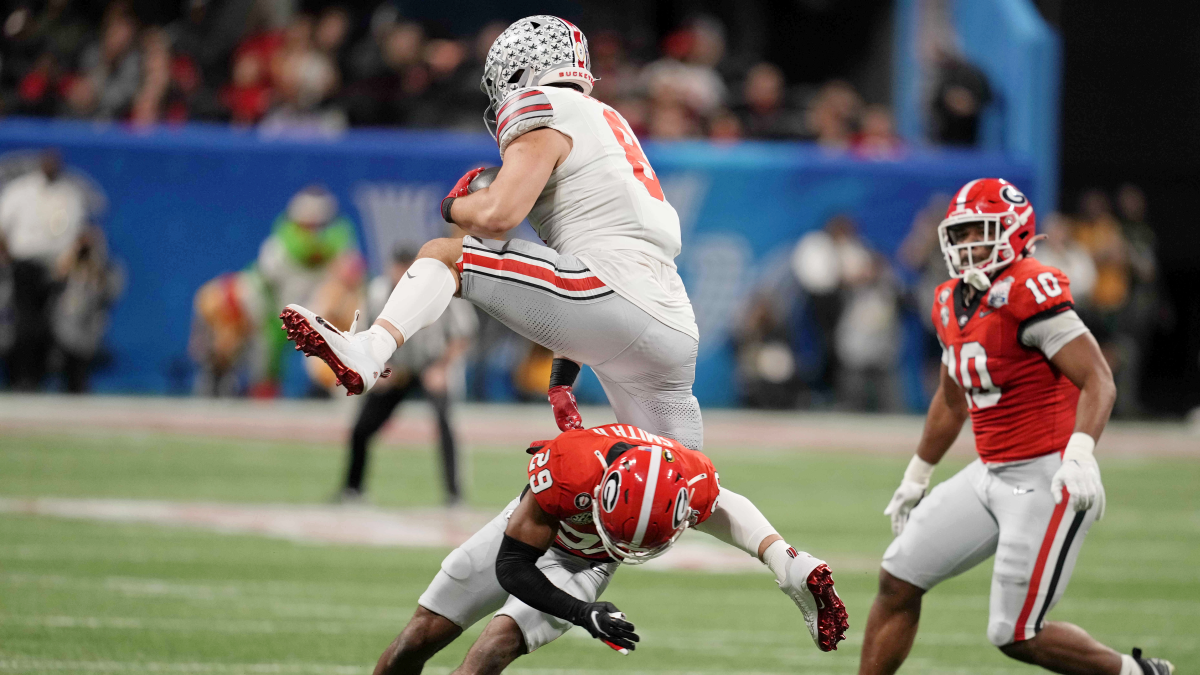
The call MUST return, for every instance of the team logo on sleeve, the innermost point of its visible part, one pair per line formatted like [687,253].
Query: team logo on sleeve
[998,297]
[682,511]
[610,492]
[943,296]
[583,501]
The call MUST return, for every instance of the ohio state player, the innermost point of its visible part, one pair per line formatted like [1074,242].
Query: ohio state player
[604,291]
[596,498]
[1018,360]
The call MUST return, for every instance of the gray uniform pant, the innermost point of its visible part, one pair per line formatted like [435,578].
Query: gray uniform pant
[1002,509]
[466,590]
[645,367]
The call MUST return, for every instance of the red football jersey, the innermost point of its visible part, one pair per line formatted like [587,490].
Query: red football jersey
[564,473]
[1021,405]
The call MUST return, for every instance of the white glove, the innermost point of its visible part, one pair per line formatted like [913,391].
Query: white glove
[911,491]
[1080,475]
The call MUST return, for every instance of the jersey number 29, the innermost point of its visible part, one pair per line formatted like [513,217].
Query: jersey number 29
[633,153]
[542,479]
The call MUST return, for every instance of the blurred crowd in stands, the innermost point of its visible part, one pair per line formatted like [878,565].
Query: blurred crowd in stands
[828,331]
[263,63]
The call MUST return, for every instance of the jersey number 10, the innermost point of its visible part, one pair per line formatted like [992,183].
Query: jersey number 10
[972,357]
[633,153]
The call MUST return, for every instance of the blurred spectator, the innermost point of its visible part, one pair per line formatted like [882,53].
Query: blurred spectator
[825,262]
[391,74]
[305,79]
[877,139]
[1060,250]
[91,283]
[228,339]
[763,112]
[833,115]
[308,243]
[431,362]
[961,94]
[1098,231]
[867,339]
[921,254]
[170,90]
[112,68]
[686,75]
[248,96]
[1119,323]
[42,215]
[768,375]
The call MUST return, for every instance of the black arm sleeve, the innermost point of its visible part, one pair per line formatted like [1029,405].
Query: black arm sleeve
[516,569]
[563,373]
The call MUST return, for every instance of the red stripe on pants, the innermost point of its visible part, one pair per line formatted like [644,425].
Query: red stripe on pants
[522,269]
[1035,581]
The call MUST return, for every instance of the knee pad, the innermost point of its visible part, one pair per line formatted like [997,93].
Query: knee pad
[1000,632]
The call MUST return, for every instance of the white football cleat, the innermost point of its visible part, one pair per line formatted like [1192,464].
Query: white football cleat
[809,584]
[345,353]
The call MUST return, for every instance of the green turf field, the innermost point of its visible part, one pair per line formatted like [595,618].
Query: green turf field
[93,597]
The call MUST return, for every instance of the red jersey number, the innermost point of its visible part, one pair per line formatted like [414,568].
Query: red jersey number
[633,153]
[969,368]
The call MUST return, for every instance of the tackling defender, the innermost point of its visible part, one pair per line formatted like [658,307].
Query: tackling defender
[603,292]
[596,498]
[1018,360]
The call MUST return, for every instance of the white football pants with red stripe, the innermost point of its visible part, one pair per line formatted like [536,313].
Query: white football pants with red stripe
[1002,509]
[553,299]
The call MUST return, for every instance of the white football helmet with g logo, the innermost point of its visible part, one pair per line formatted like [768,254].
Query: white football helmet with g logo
[534,51]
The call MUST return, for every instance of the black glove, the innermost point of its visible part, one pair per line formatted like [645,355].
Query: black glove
[597,618]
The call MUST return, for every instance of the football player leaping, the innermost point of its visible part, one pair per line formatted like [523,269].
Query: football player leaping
[603,292]
[596,498]
[1018,360]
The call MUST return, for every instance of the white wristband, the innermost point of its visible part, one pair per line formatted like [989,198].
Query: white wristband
[919,471]
[1080,446]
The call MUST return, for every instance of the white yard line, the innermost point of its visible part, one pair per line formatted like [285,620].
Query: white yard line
[365,526]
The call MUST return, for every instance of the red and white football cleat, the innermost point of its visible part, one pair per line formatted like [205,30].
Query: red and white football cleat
[346,353]
[809,584]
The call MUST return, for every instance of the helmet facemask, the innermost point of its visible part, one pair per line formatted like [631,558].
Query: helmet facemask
[961,255]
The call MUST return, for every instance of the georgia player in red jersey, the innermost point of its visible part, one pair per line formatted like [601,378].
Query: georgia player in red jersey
[1017,360]
[596,498]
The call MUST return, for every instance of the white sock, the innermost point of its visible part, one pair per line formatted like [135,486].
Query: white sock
[1129,666]
[777,559]
[420,298]
[380,343]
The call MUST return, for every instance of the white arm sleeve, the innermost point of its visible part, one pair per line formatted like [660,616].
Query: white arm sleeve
[736,521]
[1052,334]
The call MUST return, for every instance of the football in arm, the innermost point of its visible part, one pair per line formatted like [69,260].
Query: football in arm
[484,179]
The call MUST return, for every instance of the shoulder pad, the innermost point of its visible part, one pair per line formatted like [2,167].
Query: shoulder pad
[524,110]
[1029,289]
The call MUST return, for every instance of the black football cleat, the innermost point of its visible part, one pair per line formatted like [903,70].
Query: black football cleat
[1153,666]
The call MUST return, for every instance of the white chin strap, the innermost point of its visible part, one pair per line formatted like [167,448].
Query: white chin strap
[977,279]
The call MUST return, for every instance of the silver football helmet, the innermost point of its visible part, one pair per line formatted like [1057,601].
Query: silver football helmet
[534,51]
